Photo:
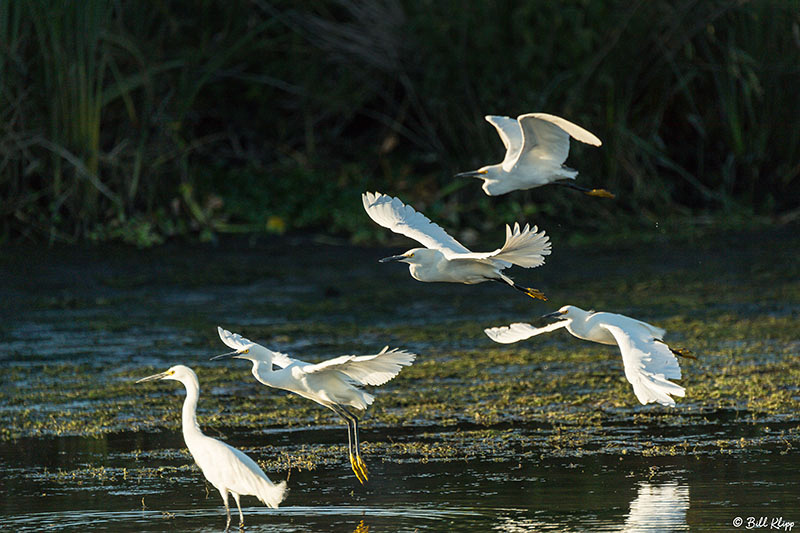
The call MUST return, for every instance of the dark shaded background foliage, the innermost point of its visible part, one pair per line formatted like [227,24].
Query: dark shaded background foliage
[143,120]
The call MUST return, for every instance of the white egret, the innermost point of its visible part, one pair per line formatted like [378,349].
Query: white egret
[648,361]
[333,383]
[537,144]
[225,467]
[446,259]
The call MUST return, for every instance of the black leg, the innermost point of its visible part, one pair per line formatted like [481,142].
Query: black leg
[602,193]
[352,441]
[533,293]
[227,509]
[359,461]
[680,352]
[683,352]
[355,430]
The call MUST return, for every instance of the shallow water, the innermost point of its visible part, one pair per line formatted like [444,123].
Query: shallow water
[544,436]
[601,493]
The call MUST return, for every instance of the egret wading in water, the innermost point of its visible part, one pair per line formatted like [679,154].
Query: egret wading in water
[225,467]
[444,258]
[333,383]
[649,362]
[537,145]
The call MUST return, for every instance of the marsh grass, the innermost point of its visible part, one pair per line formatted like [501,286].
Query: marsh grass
[120,121]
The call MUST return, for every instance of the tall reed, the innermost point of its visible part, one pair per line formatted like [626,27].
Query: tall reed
[138,121]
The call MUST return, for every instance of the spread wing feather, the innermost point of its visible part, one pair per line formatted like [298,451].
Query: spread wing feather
[648,365]
[525,247]
[237,342]
[574,131]
[374,369]
[519,331]
[393,214]
[546,137]
[509,132]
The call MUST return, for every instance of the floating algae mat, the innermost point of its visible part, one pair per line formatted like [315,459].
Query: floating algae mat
[541,435]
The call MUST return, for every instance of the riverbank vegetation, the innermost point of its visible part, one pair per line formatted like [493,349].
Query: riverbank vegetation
[141,122]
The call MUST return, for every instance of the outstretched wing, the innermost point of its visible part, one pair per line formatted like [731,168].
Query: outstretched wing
[546,137]
[393,214]
[520,331]
[509,132]
[366,369]
[574,131]
[649,364]
[525,247]
[237,342]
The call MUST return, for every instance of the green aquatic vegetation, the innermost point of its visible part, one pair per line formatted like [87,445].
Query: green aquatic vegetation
[456,387]
[465,397]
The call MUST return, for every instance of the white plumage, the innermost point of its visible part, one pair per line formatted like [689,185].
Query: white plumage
[444,259]
[334,383]
[229,470]
[537,145]
[649,363]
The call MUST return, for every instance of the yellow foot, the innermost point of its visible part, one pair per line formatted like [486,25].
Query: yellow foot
[684,352]
[600,193]
[363,467]
[534,293]
[357,470]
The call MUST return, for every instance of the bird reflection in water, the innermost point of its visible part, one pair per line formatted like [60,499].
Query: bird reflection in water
[361,528]
[658,507]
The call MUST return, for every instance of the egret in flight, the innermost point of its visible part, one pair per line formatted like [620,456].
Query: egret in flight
[446,259]
[225,467]
[333,383]
[649,362]
[537,144]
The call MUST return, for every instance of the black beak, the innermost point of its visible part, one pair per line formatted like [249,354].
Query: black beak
[556,314]
[229,355]
[470,174]
[392,258]
[162,375]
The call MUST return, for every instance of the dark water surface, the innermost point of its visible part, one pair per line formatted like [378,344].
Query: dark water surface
[84,449]
[592,494]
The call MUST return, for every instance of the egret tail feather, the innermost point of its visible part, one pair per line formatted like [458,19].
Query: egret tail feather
[271,494]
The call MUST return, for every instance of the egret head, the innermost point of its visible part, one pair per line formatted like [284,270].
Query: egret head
[568,312]
[252,352]
[415,256]
[482,173]
[177,373]
[492,176]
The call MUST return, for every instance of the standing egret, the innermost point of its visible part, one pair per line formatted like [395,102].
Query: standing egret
[537,144]
[333,383]
[446,259]
[225,467]
[649,362]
